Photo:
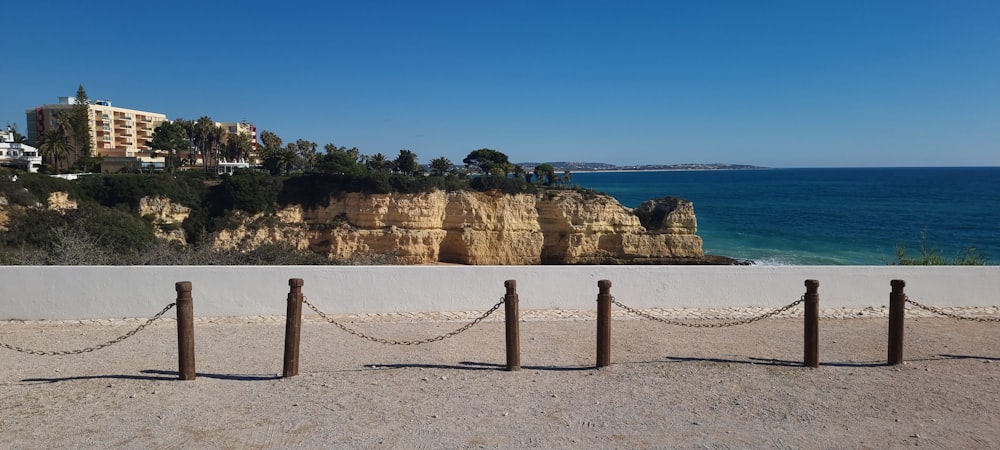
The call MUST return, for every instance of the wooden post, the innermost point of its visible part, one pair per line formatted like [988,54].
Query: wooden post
[811,338]
[185,331]
[897,311]
[293,328]
[604,323]
[513,333]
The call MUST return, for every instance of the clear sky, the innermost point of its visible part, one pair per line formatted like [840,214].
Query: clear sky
[768,82]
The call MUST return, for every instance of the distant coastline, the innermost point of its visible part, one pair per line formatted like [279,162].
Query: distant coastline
[563,166]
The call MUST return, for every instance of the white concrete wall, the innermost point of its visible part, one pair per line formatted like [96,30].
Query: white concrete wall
[55,292]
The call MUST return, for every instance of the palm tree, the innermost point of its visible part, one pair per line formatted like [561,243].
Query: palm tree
[237,147]
[440,165]
[378,163]
[203,135]
[54,145]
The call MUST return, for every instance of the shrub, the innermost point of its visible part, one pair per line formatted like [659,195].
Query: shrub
[91,225]
[249,191]
[930,255]
[127,189]
[41,186]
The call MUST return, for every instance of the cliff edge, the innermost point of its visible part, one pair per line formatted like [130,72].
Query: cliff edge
[484,228]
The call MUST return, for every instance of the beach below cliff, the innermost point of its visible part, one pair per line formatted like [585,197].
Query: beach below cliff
[667,387]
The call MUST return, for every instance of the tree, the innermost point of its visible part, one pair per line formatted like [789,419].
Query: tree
[206,137]
[171,138]
[307,154]
[352,152]
[270,140]
[250,191]
[187,155]
[489,161]
[378,163]
[78,123]
[54,145]
[292,157]
[339,160]
[519,174]
[406,162]
[546,174]
[276,159]
[440,166]
[238,146]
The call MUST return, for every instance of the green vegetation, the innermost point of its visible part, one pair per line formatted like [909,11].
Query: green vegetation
[114,231]
[106,228]
[931,256]
[171,140]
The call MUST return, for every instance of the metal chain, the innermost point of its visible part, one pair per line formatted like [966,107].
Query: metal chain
[89,349]
[942,312]
[394,342]
[748,320]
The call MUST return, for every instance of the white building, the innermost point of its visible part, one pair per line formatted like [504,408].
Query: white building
[18,155]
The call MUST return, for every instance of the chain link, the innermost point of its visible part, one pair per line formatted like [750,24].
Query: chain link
[942,312]
[89,349]
[395,342]
[745,321]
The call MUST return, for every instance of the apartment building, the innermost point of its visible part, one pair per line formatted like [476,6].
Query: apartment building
[117,133]
[246,128]
[114,131]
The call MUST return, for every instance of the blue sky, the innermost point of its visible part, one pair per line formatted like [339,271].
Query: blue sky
[771,83]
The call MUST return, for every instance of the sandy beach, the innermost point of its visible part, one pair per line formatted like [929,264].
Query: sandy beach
[668,387]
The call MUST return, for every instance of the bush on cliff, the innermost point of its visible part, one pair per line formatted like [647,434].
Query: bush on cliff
[115,230]
[31,188]
[127,189]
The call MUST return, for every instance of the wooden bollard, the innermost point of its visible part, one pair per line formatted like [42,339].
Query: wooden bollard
[293,328]
[811,338]
[897,311]
[185,331]
[513,333]
[604,323]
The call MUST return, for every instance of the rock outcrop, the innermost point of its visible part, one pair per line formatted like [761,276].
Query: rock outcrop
[167,217]
[477,228]
[556,227]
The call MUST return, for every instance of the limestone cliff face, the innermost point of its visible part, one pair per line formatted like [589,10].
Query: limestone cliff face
[286,226]
[562,227]
[59,201]
[557,227]
[596,229]
[167,217]
[4,216]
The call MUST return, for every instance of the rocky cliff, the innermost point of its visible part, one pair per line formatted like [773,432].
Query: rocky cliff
[556,227]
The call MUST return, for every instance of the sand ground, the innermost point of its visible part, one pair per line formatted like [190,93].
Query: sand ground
[668,387]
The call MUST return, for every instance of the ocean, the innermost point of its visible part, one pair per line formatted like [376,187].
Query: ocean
[842,216]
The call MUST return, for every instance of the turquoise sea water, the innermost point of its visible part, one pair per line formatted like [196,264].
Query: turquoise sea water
[850,216]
